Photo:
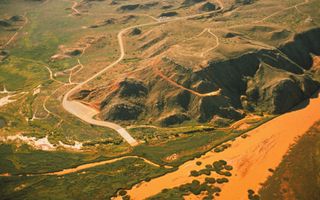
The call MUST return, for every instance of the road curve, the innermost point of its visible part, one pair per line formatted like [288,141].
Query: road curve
[87,113]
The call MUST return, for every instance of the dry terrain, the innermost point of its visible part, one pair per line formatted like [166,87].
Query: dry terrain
[173,99]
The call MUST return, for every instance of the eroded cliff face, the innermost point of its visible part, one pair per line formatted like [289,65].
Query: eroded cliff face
[268,81]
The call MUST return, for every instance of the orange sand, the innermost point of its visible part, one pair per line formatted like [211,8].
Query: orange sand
[251,157]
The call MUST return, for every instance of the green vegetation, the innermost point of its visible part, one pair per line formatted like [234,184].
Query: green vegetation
[26,160]
[252,195]
[217,166]
[209,186]
[186,147]
[100,182]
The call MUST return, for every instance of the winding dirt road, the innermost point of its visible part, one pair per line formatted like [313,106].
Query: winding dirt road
[87,113]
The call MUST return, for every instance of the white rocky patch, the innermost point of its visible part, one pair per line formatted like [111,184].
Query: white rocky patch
[41,144]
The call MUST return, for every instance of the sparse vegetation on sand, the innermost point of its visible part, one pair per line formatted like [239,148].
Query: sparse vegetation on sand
[297,173]
[101,182]
[209,188]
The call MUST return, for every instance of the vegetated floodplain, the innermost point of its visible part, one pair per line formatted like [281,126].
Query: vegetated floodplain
[100,182]
[177,151]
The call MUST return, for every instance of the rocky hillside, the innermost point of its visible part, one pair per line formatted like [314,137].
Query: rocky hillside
[269,81]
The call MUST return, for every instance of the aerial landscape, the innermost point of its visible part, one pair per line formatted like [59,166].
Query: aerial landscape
[160,100]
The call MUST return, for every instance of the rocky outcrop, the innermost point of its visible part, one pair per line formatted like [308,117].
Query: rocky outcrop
[206,7]
[168,14]
[131,7]
[135,31]
[173,119]
[132,88]
[81,95]
[302,47]
[264,80]
[125,103]
[5,23]
[191,2]
[123,111]
[276,91]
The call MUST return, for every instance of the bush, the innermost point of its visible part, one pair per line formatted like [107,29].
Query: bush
[217,166]
[198,163]
[194,173]
[184,188]
[216,189]
[205,171]
[210,180]
[227,174]
[122,192]
[127,197]
[250,191]
[222,180]
[195,182]
[228,167]
[209,166]
[252,195]
[223,162]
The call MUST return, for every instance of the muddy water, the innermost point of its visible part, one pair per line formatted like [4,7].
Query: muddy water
[250,157]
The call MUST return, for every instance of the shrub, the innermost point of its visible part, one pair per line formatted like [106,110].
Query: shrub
[227,174]
[195,182]
[205,171]
[209,166]
[127,197]
[222,180]
[244,136]
[217,166]
[222,162]
[250,192]
[198,163]
[216,189]
[122,192]
[210,180]
[184,188]
[271,170]
[228,167]
[194,173]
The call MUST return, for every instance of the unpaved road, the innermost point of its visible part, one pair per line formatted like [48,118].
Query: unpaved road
[88,166]
[250,157]
[87,113]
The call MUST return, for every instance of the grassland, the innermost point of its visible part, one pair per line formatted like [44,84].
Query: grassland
[97,183]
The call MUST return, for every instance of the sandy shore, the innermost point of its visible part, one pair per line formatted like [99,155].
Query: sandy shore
[250,157]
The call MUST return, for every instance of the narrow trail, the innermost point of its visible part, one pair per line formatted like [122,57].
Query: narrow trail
[74,9]
[291,7]
[202,54]
[80,66]
[88,166]
[16,33]
[164,77]
[215,46]
[87,113]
